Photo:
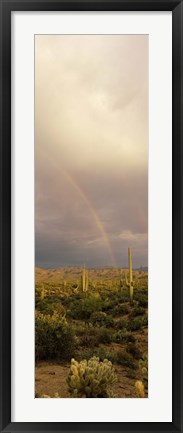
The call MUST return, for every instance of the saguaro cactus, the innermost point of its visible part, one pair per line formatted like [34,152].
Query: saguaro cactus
[42,293]
[84,279]
[121,279]
[130,273]
[126,279]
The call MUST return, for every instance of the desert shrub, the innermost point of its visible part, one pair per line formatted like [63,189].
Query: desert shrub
[101,319]
[134,351]
[99,352]
[90,379]
[107,305]
[142,297]
[82,328]
[88,340]
[124,296]
[93,336]
[103,335]
[53,337]
[122,324]
[145,320]
[121,309]
[135,324]
[138,311]
[83,308]
[125,359]
[143,303]
[123,337]
[47,306]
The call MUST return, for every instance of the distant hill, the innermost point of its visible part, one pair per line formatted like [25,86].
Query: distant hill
[71,273]
[142,269]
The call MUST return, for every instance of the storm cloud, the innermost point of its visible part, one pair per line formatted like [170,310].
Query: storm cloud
[91,149]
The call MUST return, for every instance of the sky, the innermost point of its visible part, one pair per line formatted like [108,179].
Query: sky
[91,150]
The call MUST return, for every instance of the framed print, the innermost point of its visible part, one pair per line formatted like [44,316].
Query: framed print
[91,216]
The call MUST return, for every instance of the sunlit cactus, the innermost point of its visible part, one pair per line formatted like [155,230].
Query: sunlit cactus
[121,278]
[42,293]
[94,284]
[84,280]
[130,273]
[124,281]
[90,379]
[140,389]
[56,395]
[143,364]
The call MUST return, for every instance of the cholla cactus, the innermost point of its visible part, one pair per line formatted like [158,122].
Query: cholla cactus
[139,385]
[90,379]
[140,389]
[56,395]
[143,364]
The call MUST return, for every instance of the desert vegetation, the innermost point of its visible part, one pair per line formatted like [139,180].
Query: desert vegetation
[88,322]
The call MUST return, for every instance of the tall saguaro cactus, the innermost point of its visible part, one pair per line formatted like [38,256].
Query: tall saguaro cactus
[42,293]
[121,279]
[84,279]
[130,273]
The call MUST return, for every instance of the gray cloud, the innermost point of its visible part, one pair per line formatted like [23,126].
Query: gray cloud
[91,150]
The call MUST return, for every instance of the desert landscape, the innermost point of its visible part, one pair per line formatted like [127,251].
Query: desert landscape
[84,313]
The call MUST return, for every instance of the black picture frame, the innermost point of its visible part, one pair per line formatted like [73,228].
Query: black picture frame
[6,7]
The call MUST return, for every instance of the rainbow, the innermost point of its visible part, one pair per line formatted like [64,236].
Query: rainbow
[94,214]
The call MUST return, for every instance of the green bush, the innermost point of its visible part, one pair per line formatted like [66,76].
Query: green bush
[83,308]
[138,311]
[107,305]
[47,306]
[100,352]
[145,320]
[142,298]
[121,309]
[53,337]
[135,324]
[88,340]
[123,337]
[134,351]
[99,318]
[93,336]
[103,335]
[122,324]
[125,359]
[90,379]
